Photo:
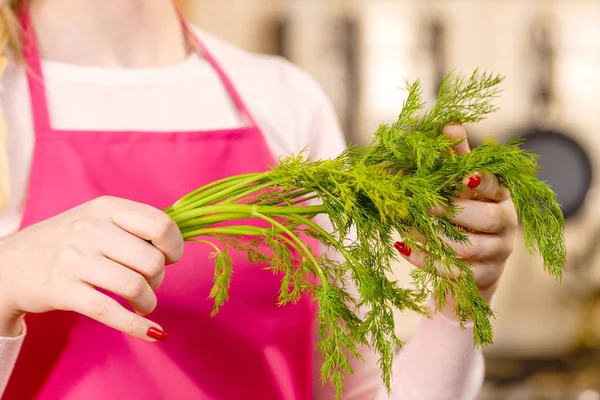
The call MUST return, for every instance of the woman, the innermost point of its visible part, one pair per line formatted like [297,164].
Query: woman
[124,98]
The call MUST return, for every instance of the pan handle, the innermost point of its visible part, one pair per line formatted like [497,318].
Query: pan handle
[438,53]
[543,45]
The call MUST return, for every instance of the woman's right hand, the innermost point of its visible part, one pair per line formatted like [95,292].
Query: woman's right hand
[57,264]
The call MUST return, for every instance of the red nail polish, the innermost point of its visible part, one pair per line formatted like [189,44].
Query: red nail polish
[401,247]
[474,181]
[157,334]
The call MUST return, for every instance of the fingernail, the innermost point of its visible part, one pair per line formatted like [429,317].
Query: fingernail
[401,247]
[474,181]
[157,334]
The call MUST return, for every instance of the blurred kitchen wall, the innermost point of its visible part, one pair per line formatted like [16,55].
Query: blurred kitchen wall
[361,51]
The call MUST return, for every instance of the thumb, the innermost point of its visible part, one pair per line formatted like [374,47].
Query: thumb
[459,134]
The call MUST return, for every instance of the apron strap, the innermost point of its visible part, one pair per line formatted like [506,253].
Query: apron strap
[237,99]
[37,87]
[35,78]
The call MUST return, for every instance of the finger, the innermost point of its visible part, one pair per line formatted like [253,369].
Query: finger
[95,305]
[480,247]
[487,186]
[147,223]
[482,272]
[134,253]
[477,216]
[418,258]
[108,275]
[459,134]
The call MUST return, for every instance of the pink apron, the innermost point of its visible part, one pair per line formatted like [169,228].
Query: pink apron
[252,350]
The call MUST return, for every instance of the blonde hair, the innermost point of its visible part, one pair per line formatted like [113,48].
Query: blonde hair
[9,42]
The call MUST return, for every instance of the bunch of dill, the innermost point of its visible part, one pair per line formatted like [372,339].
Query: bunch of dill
[374,191]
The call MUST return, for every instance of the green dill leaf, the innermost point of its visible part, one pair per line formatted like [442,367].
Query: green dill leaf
[370,193]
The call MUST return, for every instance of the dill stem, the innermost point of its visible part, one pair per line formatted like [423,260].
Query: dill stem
[282,198]
[240,194]
[221,183]
[207,220]
[212,184]
[204,226]
[305,221]
[216,193]
[303,199]
[214,246]
[249,210]
[239,230]
[306,250]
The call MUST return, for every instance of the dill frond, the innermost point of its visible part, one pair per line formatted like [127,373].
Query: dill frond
[375,190]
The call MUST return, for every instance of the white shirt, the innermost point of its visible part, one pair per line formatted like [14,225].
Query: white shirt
[292,112]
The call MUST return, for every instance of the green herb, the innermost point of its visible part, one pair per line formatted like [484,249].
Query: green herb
[375,190]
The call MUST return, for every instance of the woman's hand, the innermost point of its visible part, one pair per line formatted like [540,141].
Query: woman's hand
[488,213]
[58,264]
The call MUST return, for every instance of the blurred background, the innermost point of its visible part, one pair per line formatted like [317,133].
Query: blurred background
[547,335]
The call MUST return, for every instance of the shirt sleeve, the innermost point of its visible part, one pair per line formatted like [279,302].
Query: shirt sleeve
[441,361]
[9,352]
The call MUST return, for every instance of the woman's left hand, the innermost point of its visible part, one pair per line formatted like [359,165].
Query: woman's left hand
[487,211]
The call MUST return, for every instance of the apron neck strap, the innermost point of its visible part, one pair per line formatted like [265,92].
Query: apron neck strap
[37,88]
[33,66]
[200,47]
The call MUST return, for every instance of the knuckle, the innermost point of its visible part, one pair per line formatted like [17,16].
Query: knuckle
[135,286]
[130,326]
[80,226]
[512,218]
[156,281]
[164,226]
[513,222]
[156,264]
[178,251]
[152,306]
[99,310]
[492,218]
[472,251]
[69,255]
[505,247]
[101,203]
[455,273]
